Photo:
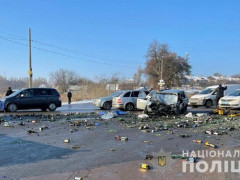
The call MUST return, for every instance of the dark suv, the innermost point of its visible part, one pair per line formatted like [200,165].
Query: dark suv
[33,98]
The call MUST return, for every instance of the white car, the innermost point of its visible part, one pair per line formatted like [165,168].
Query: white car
[232,101]
[207,97]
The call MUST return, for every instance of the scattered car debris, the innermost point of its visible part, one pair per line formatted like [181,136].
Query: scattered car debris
[66,141]
[210,145]
[143,116]
[197,141]
[144,166]
[32,132]
[75,147]
[121,138]
[149,157]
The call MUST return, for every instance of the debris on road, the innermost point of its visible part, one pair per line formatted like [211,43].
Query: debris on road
[121,138]
[143,116]
[109,115]
[197,141]
[144,166]
[149,157]
[66,141]
[210,145]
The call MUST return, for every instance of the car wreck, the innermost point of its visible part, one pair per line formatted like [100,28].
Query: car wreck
[164,102]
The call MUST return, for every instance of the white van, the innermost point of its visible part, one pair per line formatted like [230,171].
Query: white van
[207,97]
[232,101]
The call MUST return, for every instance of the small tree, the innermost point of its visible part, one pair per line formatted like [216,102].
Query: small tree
[62,79]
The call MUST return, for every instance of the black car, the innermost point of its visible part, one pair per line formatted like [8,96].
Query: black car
[33,98]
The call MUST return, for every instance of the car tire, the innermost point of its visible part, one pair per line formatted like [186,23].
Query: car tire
[12,107]
[52,107]
[129,107]
[208,104]
[107,105]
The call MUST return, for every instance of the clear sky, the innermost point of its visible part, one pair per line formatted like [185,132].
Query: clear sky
[118,32]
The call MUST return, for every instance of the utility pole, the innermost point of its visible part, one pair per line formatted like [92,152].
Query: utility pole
[162,68]
[30,61]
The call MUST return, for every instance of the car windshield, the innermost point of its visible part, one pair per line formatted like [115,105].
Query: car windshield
[116,94]
[235,93]
[15,93]
[168,98]
[207,91]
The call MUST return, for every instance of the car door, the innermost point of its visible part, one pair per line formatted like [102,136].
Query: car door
[25,99]
[134,97]
[40,98]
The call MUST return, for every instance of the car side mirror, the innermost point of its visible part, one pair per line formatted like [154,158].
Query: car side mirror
[21,95]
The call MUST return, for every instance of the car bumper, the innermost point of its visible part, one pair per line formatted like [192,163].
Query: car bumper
[119,106]
[96,103]
[197,103]
[230,106]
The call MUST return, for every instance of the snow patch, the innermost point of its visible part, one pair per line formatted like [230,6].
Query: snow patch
[80,102]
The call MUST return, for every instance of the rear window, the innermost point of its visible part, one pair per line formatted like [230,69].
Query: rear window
[127,94]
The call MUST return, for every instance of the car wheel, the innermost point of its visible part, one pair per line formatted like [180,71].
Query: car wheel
[107,105]
[208,103]
[12,107]
[129,107]
[52,107]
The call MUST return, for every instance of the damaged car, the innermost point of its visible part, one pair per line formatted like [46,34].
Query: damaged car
[164,102]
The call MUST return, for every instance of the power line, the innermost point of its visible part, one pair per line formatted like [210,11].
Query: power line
[72,57]
[70,50]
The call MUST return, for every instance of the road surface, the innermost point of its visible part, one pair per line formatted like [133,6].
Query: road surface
[89,107]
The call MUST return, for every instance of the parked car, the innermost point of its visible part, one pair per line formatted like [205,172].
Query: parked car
[232,101]
[32,98]
[106,102]
[128,99]
[207,97]
[165,102]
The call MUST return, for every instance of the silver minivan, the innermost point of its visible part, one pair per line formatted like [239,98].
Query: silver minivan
[127,100]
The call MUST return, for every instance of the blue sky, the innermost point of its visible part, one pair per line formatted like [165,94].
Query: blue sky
[118,32]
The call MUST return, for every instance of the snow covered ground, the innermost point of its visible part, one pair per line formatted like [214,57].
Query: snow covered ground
[80,102]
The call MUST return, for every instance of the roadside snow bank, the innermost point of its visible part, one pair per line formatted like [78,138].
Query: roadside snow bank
[80,102]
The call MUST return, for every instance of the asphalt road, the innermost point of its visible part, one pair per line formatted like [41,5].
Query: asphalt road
[89,107]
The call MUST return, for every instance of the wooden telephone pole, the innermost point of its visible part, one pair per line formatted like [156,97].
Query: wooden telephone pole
[30,61]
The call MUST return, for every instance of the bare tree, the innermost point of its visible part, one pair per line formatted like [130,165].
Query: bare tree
[217,74]
[37,82]
[174,67]
[138,75]
[62,79]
